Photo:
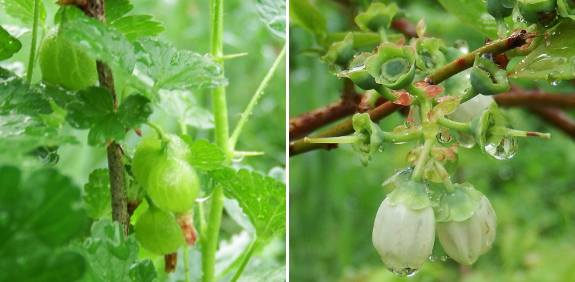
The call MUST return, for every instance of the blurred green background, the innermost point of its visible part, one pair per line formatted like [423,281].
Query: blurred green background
[334,199]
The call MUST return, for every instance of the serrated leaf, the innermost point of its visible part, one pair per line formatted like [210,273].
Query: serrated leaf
[101,42]
[91,106]
[9,45]
[262,198]
[205,155]
[110,257]
[117,8]
[61,96]
[554,59]
[17,96]
[136,26]
[172,69]
[272,275]
[24,10]
[144,271]
[97,198]
[273,14]
[108,128]
[184,106]
[70,13]
[134,110]
[307,16]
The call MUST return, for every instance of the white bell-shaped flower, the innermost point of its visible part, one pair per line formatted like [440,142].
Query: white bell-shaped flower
[466,235]
[404,229]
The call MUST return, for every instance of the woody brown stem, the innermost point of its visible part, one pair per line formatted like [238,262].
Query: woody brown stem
[558,118]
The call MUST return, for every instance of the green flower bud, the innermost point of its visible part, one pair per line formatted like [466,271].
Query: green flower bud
[429,58]
[370,134]
[486,78]
[500,8]
[358,73]
[392,66]
[404,229]
[466,224]
[376,17]
[490,130]
[340,53]
[541,12]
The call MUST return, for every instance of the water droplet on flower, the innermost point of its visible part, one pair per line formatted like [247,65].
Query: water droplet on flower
[504,150]
[444,258]
[405,272]
[407,124]
[553,78]
[432,258]
[444,137]
[466,140]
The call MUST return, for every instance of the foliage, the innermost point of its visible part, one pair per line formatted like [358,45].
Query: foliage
[333,199]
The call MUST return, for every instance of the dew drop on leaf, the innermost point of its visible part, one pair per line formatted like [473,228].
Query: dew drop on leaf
[554,78]
[572,65]
[504,150]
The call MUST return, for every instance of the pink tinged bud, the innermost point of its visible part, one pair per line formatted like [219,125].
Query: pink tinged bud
[403,236]
[464,241]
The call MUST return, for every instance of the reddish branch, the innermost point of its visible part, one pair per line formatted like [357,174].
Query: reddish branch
[558,118]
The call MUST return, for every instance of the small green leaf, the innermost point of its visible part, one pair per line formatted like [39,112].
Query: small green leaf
[61,96]
[172,69]
[116,9]
[24,10]
[184,106]
[136,26]
[134,111]
[205,155]
[91,106]
[553,60]
[273,14]
[8,45]
[97,197]
[110,257]
[307,16]
[101,42]
[271,275]
[18,96]
[108,128]
[262,198]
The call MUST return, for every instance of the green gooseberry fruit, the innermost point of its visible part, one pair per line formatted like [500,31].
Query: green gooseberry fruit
[64,64]
[158,231]
[173,185]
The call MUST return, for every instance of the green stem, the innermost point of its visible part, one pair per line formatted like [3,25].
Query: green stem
[210,243]
[245,260]
[385,93]
[501,27]
[186,267]
[393,137]
[32,58]
[418,171]
[382,35]
[158,130]
[445,176]
[183,127]
[459,126]
[468,95]
[254,100]
[336,140]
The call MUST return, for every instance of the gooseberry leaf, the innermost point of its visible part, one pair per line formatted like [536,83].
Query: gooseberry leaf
[272,275]
[9,45]
[71,13]
[116,9]
[24,10]
[262,198]
[205,155]
[273,14]
[307,16]
[91,106]
[136,26]
[173,69]
[60,96]
[111,257]
[184,106]
[134,110]
[554,59]
[97,198]
[108,128]
[17,96]
[101,42]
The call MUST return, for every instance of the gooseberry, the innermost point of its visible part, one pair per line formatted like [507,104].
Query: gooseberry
[158,231]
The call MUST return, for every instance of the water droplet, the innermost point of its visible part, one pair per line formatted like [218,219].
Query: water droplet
[444,137]
[520,19]
[380,148]
[432,258]
[237,158]
[547,43]
[466,140]
[407,124]
[504,150]
[572,64]
[405,272]
[554,78]
[444,258]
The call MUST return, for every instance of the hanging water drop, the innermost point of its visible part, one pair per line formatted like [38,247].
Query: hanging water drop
[504,150]
[432,258]
[407,123]
[572,65]
[466,140]
[380,148]
[405,272]
[443,258]
[237,158]
[444,136]
[554,78]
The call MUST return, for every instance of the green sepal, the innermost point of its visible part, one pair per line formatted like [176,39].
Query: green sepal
[500,8]
[411,194]
[566,8]
[429,57]
[358,73]
[399,176]
[376,17]
[489,127]
[370,133]
[392,66]
[486,78]
[340,53]
[458,205]
[541,12]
